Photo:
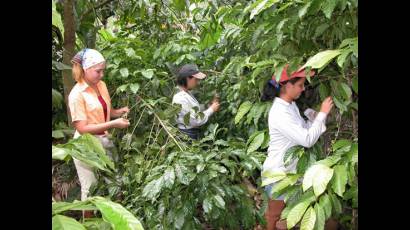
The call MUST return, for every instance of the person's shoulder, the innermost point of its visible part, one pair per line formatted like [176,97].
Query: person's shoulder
[75,90]
[179,96]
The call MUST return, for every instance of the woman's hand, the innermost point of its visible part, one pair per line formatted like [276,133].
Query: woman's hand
[215,106]
[327,105]
[120,123]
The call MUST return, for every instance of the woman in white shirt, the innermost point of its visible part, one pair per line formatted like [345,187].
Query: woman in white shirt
[287,128]
[188,78]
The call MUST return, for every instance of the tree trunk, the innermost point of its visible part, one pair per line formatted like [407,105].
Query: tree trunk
[68,50]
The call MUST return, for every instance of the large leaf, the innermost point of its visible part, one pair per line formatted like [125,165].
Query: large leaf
[321,179]
[207,205]
[296,213]
[124,72]
[304,9]
[60,153]
[147,73]
[337,206]
[256,142]
[288,181]
[326,204]
[56,18]
[320,217]
[243,109]
[355,84]
[169,177]
[328,7]
[153,188]
[59,207]
[219,201]
[60,222]
[261,5]
[340,179]
[87,149]
[269,177]
[134,87]
[309,219]
[318,176]
[321,59]
[117,215]
[183,174]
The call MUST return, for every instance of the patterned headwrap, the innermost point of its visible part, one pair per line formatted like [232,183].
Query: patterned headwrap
[87,58]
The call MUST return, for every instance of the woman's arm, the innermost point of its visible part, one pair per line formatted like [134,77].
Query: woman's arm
[84,127]
[115,113]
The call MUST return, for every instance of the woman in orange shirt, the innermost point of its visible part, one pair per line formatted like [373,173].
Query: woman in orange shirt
[90,109]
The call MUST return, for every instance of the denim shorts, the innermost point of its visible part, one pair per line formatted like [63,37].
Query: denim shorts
[268,191]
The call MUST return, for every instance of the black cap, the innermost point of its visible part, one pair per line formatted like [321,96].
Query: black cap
[190,70]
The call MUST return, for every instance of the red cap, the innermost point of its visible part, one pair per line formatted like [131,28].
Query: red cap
[298,73]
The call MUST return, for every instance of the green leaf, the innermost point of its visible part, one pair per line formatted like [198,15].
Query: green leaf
[243,109]
[256,142]
[117,215]
[347,91]
[326,204]
[323,91]
[219,201]
[122,88]
[343,144]
[318,176]
[124,72]
[309,219]
[130,52]
[339,104]
[88,149]
[304,9]
[59,207]
[134,87]
[355,85]
[321,179]
[269,177]
[288,181]
[320,29]
[183,174]
[148,73]
[60,222]
[57,99]
[296,213]
[321,59]
[328,7]
[342,58]
[207,205]
[261,5]
[56,18]
[187,118]
[57,134]
[59,153]
[169,177]
[335,203]
[340,179]
[320,217]
[329,161]
[153,188]
[179,4]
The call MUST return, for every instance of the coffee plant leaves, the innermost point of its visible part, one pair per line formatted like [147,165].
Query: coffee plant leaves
[340,179]
[60,222]
[308,220]
[243,109]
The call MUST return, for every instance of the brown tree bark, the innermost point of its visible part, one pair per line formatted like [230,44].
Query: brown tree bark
[68,50]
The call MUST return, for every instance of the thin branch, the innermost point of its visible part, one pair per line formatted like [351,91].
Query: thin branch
[94,8]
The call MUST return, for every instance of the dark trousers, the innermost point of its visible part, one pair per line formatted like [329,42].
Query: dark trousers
[192,133]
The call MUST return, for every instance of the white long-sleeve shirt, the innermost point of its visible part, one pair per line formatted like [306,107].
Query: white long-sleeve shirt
[287,128]
[188,102]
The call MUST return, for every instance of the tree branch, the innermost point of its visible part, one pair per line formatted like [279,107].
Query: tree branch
[94,8]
